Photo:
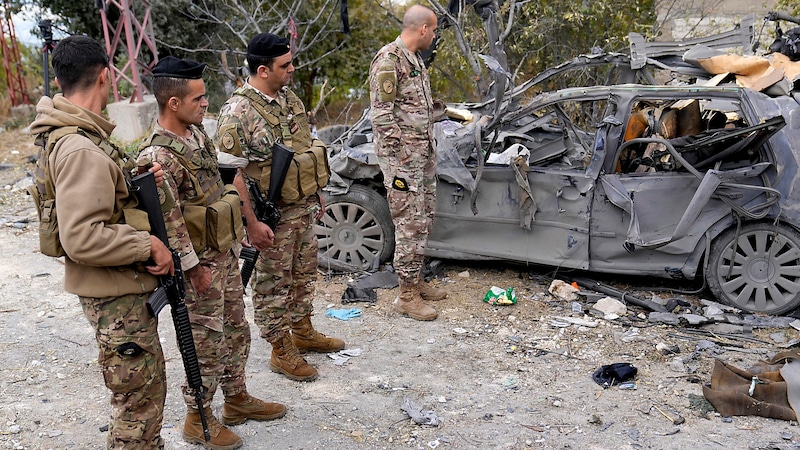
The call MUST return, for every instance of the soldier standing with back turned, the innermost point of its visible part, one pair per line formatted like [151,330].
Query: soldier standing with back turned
[259,114]
[402,122]
[82,184]
[204,225]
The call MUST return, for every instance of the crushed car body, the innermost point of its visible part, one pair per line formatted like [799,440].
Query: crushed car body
[683,182]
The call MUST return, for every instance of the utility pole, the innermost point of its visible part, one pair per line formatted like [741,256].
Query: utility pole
[12,61]
[130,35]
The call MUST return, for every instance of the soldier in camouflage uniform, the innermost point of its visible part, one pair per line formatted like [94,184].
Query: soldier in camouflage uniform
[260,113]
[205,241]
[402,123]
[103,239]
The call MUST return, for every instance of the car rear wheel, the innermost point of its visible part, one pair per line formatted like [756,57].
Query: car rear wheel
[759,271]
[356,232]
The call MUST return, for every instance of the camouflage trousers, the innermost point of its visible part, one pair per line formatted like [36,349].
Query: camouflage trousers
[132,364]
[412,211]
[220,329]
[284,280]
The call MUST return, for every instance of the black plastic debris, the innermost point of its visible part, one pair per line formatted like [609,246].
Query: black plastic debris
[353,294]
[614,374]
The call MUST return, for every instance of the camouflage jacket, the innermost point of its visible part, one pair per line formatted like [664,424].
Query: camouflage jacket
[242,131]
[401,102]
[192,178]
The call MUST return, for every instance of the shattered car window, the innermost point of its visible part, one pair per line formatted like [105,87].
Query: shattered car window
[691,126]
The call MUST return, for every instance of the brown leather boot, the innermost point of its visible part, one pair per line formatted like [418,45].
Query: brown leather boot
[243,406]
[431,293]
[306,338]
[286,359]
[410,303]
[221,437]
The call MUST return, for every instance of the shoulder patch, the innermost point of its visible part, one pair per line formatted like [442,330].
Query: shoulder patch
[387,85]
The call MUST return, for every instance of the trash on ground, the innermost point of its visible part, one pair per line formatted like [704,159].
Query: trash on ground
[500,296]
[419,416]
[353,294]
[343,314]
[342,356]
[614,374]
[767,389]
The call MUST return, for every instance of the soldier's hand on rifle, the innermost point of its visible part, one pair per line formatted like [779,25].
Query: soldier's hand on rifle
[158,171]
[200,276]
[261,235]
[162,257]
[321,212]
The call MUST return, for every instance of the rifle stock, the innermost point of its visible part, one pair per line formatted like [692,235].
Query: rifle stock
[172,291]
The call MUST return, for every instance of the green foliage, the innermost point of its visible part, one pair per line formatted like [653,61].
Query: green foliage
[544,33]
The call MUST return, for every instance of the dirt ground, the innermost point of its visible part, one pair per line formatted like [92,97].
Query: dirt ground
[498,377]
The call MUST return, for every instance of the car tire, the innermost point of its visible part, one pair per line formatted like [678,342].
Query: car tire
[762,275]
[356,232]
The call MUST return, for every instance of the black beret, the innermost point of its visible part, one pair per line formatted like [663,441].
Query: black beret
[267,45]
[179,68]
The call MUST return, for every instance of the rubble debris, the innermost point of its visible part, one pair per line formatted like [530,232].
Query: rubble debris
[609,305]
[563,290]
[622,296]
[419,416]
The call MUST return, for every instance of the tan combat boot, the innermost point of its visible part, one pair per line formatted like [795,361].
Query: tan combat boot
[431,293]
[221,437]
[307,339]
[286,359]
[243,406]
[410,303]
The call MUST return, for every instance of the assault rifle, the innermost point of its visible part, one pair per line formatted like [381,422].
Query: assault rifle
[266,210]
[171,291]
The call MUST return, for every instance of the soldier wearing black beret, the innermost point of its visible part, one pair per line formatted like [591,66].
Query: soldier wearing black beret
[173,67]
[260,114]
[214,290]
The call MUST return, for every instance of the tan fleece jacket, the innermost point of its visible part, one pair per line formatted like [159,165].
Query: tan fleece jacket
[89,187]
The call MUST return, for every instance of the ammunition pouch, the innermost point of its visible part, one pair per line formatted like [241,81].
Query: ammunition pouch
[308,173]
[49,243]
[219,225]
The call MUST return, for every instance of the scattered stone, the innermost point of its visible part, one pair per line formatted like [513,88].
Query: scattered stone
[464,274]
[779,338]
[693,319]
[563,290]
[609,305]
[666,318]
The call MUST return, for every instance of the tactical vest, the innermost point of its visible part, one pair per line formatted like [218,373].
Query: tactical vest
[214,215]
[309,170]
[42,191]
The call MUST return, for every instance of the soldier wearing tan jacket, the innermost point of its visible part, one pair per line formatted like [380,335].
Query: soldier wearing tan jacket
[101,239]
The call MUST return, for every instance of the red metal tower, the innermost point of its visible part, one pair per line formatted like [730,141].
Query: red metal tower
[12,61]
[128,36]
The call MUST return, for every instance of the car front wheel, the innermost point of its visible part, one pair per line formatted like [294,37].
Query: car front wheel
[759,271]
[356,232]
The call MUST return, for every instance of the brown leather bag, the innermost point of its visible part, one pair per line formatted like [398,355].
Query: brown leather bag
[730,386]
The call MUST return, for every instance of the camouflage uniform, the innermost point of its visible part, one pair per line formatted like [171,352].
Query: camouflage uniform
[402,123]
[137,382]
[285,273]
[219,326]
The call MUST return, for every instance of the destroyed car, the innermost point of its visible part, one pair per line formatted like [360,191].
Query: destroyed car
[683,182]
